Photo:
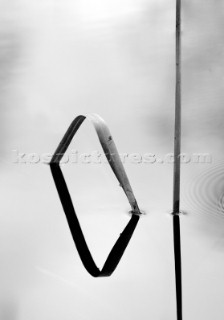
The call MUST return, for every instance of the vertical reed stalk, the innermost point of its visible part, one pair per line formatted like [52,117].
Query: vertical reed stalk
[176,178]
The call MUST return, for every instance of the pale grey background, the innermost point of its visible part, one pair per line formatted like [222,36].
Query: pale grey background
[115,58]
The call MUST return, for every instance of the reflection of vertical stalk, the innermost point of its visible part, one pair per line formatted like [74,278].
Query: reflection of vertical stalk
[177,256]
[176,179]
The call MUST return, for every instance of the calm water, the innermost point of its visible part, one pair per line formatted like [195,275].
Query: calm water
[115,58]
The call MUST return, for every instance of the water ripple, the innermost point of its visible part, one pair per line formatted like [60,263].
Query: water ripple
[205,193]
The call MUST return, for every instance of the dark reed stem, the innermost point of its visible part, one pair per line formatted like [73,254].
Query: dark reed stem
[176,178]
[177,257]
[177,134]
